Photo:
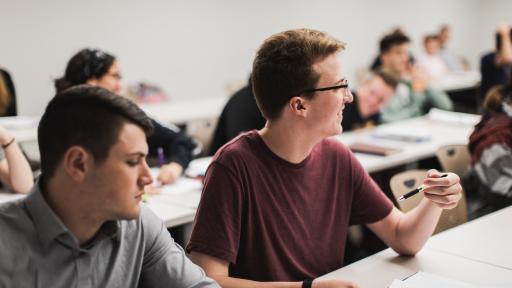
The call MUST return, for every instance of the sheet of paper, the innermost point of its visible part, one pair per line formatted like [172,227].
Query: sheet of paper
[428,280]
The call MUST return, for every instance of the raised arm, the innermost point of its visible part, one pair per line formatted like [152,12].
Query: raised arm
[407,233]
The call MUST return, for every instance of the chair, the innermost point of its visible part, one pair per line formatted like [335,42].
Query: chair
[406,181]
[454,158]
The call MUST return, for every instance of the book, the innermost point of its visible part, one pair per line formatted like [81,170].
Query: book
[373,149]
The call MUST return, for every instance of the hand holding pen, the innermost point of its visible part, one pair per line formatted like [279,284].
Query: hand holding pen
[443,189]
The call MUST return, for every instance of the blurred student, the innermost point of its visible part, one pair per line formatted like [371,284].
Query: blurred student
[96,67]
[454,62]
[490,146]
[413,96]
[431,62]
[15,171]
[240,114]
[496,66]
[375,91]
[82,225]
[7,95]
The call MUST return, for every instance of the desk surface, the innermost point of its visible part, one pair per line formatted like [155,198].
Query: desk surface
[467,253]
[487,239]
[440,132]
[180,112]
[380,269]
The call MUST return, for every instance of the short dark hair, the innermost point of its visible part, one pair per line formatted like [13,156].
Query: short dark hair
[88,116]
[85,65]
[391,40]
[283,67]
[389,78]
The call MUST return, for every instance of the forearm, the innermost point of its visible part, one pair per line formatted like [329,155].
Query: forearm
[230,282]
[416,226]
[20,177]
[439,99]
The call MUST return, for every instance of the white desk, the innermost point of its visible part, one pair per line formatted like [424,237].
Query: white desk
[478,252]
[380,269]
[23,128]
[459,80]
[183,111]
[487,239]
[441,132]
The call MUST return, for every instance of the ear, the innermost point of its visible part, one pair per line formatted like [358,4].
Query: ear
[77,163]
[298,106]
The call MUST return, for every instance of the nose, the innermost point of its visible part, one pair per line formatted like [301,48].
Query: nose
[145,177]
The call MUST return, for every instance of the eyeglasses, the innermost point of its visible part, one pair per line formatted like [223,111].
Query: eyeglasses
[344,84]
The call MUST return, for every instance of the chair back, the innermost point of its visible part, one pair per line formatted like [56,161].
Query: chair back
[406,181]
[454,158]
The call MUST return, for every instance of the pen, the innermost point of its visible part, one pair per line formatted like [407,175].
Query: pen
[416,191]
[161,156]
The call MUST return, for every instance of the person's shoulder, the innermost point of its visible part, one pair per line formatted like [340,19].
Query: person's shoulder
[16,226]
[332,145]
[237,148]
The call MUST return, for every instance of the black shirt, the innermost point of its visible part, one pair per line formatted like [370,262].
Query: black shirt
[240,114]
[352,120]
[492,74]
[177,146]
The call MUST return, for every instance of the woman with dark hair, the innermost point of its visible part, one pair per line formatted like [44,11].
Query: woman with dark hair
[7,95]
[98,68]
[490,146]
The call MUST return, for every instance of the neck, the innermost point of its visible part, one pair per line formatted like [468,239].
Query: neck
[72,208]
[288,141]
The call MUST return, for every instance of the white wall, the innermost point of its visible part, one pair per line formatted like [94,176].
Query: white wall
[194,48]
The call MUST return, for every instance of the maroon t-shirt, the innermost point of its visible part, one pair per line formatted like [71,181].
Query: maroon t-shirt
[278,221]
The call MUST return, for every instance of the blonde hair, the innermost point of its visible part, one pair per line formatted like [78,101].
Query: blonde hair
[5,95]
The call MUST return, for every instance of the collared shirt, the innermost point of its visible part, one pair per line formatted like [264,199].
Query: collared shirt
[37,250]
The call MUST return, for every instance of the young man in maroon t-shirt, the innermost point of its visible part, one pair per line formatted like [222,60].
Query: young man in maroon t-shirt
[277,202]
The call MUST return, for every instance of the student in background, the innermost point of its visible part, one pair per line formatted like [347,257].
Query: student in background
[496,66]
[413,96]
[7,95]
[455,63]
[15,171]
[375,91]
[240,114]
[82,224]
[490,146]
[431,62]
[277,202]
[95,67]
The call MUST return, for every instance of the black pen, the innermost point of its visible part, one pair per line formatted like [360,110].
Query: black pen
[416,191]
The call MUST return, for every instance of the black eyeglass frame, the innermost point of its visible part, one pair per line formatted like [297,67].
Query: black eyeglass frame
[311,90]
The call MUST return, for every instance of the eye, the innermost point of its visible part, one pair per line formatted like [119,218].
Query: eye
[133,162]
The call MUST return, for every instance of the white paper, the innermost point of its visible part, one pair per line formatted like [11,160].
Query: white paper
[428,280]
[453,117]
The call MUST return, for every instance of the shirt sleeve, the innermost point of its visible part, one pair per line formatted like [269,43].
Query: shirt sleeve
[165,263]
[177,146]
[438,99]
[217,225]
[369,203]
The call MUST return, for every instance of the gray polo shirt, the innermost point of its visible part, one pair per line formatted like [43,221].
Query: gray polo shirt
[37,250]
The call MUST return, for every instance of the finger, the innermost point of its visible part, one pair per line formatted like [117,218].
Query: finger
[443,190]
[436,179]
[445,200]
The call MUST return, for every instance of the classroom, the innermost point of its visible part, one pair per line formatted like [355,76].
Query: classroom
[256,143]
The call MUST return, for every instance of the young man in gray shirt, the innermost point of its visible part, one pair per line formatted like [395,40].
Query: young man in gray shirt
[82,225]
